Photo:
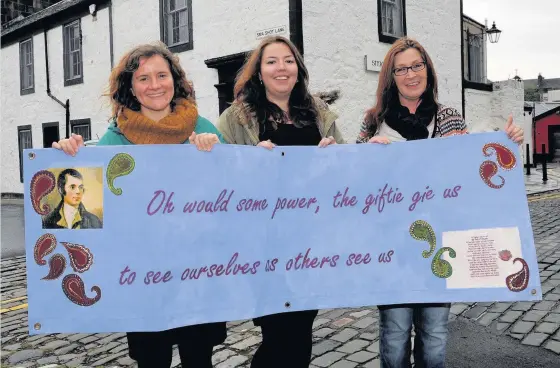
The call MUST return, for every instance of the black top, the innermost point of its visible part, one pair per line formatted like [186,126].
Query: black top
[290,135]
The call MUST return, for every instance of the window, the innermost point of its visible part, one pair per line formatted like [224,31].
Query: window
[73,66]
[81,127]
[391,20]
[475,59]
[26,74]
[50,134]
[176,24]
[24,142]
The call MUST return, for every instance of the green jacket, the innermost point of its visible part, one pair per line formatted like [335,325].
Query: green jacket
[239,126]
[114,136]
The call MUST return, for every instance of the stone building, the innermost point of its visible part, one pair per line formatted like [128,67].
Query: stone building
[56,61]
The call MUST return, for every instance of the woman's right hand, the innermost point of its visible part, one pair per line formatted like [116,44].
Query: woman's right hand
[71,145]
[266,144]
[380,140]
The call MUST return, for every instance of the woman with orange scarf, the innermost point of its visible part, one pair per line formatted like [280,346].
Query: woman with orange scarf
[153,104]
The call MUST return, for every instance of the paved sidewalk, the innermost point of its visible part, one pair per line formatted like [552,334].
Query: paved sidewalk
[343,338]
[534,182]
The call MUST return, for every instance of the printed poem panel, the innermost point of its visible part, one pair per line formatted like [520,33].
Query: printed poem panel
[480,260]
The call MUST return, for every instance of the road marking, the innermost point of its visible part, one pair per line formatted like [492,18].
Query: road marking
[17,307]
[543,197]
[14,299]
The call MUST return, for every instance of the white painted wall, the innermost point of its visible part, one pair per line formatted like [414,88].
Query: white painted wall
[553,95]
[478,104]
[336,39]
[38,108]
[489,111]
[220,28]
[337,36]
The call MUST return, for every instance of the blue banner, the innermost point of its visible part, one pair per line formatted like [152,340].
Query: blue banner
[147,238]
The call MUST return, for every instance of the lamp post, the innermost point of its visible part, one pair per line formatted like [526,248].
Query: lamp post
[493,33]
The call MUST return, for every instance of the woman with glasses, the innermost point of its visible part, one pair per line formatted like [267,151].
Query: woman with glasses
[407,109]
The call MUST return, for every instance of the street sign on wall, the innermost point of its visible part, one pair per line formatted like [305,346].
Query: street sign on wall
[275,31]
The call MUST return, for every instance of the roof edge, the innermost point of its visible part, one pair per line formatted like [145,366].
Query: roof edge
[45,17]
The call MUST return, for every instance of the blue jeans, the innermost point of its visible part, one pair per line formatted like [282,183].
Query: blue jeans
[430,324]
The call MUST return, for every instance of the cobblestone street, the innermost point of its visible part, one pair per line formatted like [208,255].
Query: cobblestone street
[344,338]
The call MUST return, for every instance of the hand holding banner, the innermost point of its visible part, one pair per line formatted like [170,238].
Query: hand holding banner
[147,238]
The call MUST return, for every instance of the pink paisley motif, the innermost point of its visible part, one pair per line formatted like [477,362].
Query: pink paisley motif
[487,170]
[518,281]
[75,291]
[505,255]
[506,158]
[43,246]
[81,258]
[42,183]
[57,265]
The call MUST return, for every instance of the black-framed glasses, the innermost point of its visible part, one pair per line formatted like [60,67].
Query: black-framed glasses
[415,68]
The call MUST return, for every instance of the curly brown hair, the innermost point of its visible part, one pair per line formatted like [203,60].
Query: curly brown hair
[120,81]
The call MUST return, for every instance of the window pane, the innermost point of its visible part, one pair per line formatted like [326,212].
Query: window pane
[26,64]
[475,60]
[72,57]
[174,33]
[29,72]
[25,139]
[83,130]
[169,29]
[183,18]
[183,26]
[392,18]
[177,4]
[183,34]
[176,27]
[70,34]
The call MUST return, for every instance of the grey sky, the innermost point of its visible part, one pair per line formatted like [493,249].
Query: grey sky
[530,36]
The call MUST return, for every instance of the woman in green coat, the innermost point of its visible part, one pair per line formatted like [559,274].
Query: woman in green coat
[273,107]
[153,103]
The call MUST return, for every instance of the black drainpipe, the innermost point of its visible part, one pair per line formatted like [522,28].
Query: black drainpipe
[296,24]
[111,52]
[65,105]
[462,60]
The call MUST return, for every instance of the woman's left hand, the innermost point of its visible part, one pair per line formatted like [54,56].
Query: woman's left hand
[327,141]
[514,132]
[204,141]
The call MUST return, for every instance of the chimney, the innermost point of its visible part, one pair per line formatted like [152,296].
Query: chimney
[540,81]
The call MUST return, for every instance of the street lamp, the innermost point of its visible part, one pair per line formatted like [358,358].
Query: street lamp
[493,33]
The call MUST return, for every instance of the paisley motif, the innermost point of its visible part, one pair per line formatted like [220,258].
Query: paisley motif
[120,165]
[518,281]
[42,183]
[421,230]
[505,255]
[81,258]
[43,246]
[75,291]
[440,267]
[57,265]
[506,158]
[487,170]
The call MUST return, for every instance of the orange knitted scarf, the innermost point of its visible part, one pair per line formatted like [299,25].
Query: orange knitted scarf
[175,128]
